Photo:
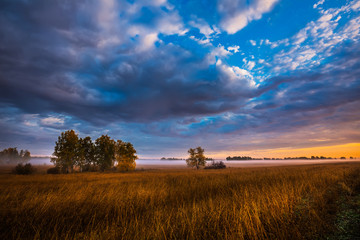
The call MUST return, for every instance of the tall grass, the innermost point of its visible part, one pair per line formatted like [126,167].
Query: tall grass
[260,203]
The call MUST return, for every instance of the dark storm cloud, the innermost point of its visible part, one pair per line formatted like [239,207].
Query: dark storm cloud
[48,63]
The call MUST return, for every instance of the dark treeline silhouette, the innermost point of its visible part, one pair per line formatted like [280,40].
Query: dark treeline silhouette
[285,158]
[242,158]
[171,158]
[72,152]
[312,157]
[13,156]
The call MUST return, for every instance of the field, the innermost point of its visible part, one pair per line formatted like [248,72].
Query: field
[294,202]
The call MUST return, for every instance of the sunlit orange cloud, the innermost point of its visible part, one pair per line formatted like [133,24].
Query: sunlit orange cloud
[335,151]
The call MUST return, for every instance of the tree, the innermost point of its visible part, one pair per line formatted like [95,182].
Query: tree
[86,154]
[11,156]
[66,151]
[125,156]
[26,157]
[197,157]
[105,152]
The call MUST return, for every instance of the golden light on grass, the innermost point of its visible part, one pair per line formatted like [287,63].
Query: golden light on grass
[277,203]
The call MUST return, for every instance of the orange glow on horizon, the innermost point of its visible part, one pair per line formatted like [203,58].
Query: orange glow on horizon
[335,151]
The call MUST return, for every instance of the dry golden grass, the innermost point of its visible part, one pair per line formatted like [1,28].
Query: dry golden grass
[256,203]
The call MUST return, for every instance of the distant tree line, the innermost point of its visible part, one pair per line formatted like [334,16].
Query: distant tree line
[242,158]
[171,158]
[72,152]
[13,156]
[285,158]
[312,157]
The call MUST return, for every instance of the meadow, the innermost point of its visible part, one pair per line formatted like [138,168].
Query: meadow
[287,202]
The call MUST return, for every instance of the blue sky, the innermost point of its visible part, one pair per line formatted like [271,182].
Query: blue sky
[232,76]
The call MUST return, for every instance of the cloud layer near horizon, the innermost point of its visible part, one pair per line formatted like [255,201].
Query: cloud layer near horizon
[156,74]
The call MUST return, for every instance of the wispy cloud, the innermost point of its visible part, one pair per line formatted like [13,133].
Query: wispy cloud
[238,14]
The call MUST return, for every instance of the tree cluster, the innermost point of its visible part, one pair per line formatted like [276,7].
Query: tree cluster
[72,152]
[13,156]
[26,169]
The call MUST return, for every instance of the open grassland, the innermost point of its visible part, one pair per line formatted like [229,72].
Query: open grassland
[296,202]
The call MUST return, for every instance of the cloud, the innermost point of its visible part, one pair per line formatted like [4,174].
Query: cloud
[250,65]
[171,24]
[205,41]
[237,79]
[220,51]
[54,122]
[204,27]
[289,105]
[318,3]
[355,5]
[318,40]
[238,14]
[300,37]
[234,49]
[119,75]
[149,41]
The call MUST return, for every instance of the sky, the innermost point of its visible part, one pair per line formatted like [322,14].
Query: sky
[237,77]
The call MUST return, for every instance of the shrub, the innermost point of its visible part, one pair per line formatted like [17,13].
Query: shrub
[90,168]
[24,169]
[126,165]
[216,165]
[53,170]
